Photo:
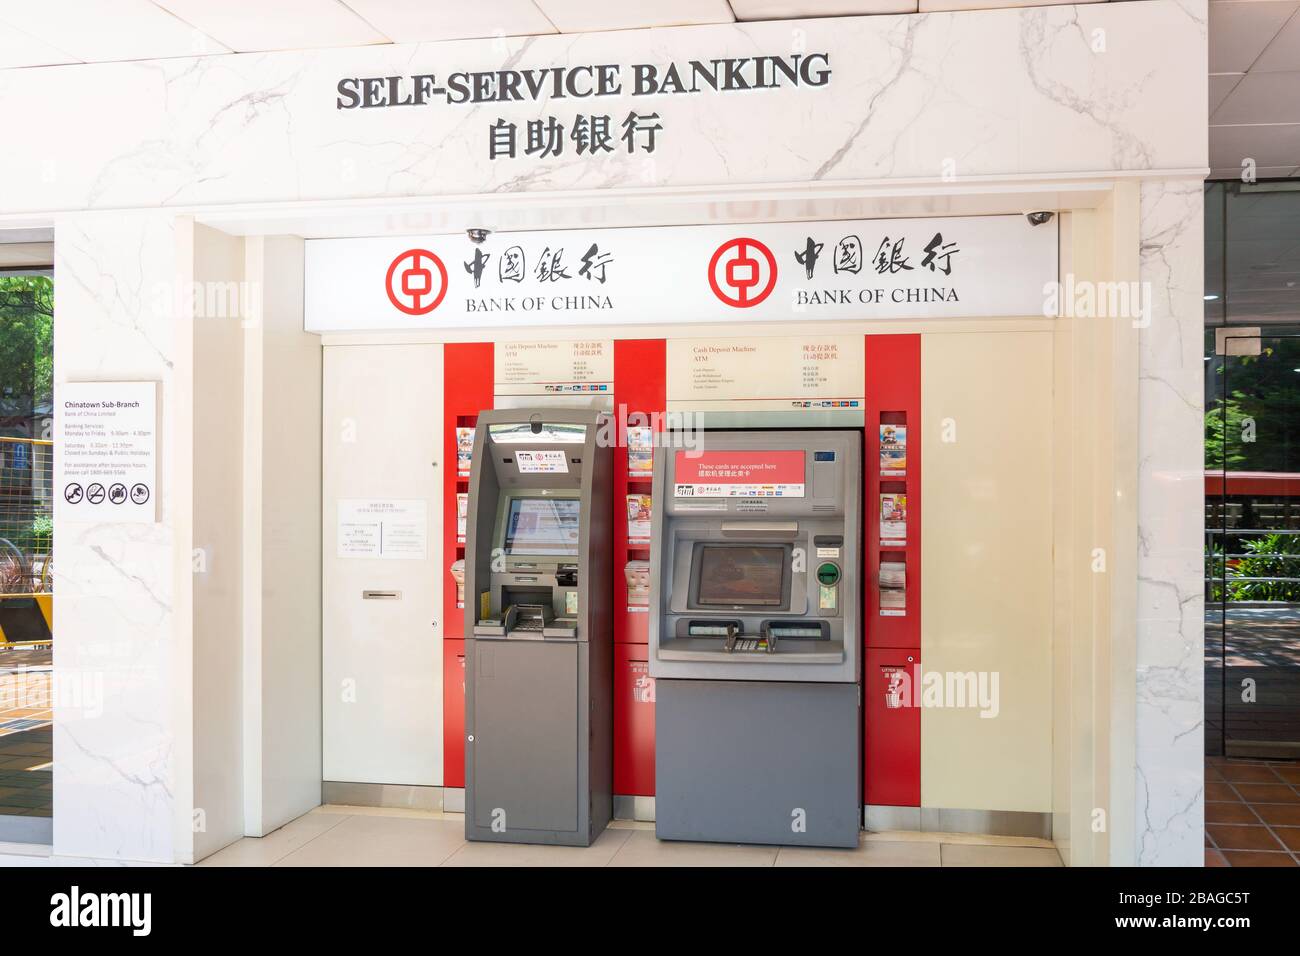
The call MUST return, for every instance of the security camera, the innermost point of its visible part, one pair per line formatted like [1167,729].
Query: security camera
[478,236]
[1039,217]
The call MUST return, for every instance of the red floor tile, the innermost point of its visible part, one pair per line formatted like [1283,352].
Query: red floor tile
[1235,837]
[1248,858]
[1267,793]
[1215,858]
[1217,790]
[1248,773]
[1289,836]
[1284,815]
[1230,813]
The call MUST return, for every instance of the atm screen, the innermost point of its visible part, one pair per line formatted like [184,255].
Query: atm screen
[740,576]
[542,526]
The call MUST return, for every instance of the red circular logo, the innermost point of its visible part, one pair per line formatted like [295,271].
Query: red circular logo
[734,278]
[410,283]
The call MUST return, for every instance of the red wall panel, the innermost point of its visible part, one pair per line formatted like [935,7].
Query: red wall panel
[639,387]
[634,722]
[467,390]
[453,713]
[893,386]
[892,743]
[891,763]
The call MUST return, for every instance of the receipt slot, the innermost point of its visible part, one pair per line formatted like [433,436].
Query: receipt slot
[755,637]
[538,629]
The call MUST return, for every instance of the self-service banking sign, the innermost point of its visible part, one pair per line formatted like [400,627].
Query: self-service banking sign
[864,269]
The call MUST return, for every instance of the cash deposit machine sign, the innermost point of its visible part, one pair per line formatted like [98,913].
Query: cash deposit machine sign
[879,268]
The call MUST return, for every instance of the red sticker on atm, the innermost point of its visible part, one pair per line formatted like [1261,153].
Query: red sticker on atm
[739,474]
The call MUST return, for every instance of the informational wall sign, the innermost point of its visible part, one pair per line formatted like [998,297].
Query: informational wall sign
[107,451]
[554,368]
[785,373]
[393,529]
[739,474]
[869,269]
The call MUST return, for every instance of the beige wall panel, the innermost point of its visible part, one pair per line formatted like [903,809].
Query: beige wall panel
[987,566]
[381,661]
[218,270]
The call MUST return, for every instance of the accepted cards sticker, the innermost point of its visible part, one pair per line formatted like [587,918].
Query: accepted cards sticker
[548,461]
[739,474]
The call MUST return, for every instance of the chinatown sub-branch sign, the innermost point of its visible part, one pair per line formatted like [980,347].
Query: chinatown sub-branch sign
[845,269]
[577,116]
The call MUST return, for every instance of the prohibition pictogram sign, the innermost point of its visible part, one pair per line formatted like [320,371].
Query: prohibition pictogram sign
[735,272]
[412,286]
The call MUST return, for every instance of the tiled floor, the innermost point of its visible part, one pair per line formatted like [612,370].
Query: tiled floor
[359,836]
[26,748]
[1252,812]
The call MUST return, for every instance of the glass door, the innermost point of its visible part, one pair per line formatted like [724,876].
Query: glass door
[26,555]
[1253,547]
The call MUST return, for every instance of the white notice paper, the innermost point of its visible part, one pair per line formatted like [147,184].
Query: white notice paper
[393,529]
[107,451]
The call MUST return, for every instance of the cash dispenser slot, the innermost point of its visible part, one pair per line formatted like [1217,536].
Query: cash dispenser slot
[713,628]
[797,630]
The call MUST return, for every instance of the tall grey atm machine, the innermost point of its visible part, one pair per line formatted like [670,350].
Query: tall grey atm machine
[538,634]
[755,631]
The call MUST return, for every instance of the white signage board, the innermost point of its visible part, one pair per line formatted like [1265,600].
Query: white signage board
[864,269]
[784,373]
[554,368]
[393,529]
[107,451]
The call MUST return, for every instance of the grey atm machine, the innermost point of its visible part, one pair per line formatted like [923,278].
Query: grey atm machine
[755,632]
[538,635]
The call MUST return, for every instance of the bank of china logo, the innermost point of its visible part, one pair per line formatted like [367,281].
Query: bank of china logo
[416,282]
[742,272]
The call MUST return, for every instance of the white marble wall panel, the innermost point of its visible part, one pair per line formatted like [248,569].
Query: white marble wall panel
[1171,490]
[115,729]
